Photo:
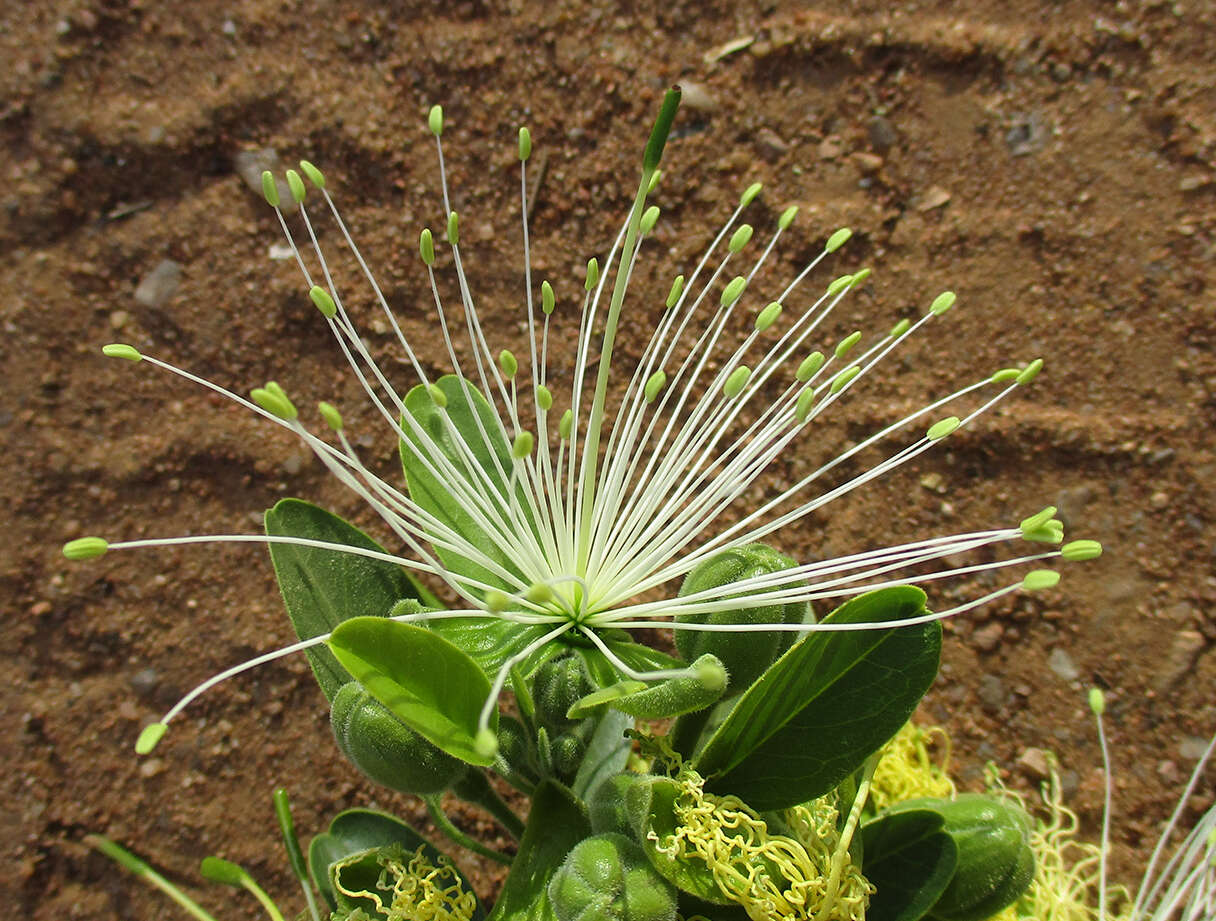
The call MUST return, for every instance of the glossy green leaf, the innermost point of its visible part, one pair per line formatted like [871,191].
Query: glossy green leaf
[910,860]
[323,588]
[358,831]
[826,705]
[607,754]
[426,682]
[491,642]
[556,823]
[464,406]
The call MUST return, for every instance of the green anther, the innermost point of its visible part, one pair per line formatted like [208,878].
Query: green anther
[506,361]
[1097,701]
[435,120]
[438,397]
[496,602]
[522,446]
[805,401]
[330,414]
[837,240]
[809,366]
[839,285]
[322,300]
[544,399]
[650,217]
[787,217]
[654,385]
[768,316]
[1030,372]
[315,176]
[547,299]
[453,229]
[149,736]
[486,743]
[593,273]
[940,430]
[740,238]
[296,184]
[859,278]
[1039,579]
[900,328]
[677,288]
[736,381]
[749,194]
[1006,374]
[121,350]
[272,399]
[525,143]
[654,181]
[539,593]
[711,675]
[566,426]
[662,128]
[1037,520]
[847,343]
[426,246]
[85,548]
[270,188]
[733,291]
[1078,550]
[1050,533]
[942,303]
[843,378]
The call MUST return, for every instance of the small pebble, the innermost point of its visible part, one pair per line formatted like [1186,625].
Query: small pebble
[935,197]
[1034,765]
[144,681]
[882,134]
[160,284]
[1062,664]
[988,637]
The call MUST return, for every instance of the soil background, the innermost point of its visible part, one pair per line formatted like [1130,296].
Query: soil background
[1050,162]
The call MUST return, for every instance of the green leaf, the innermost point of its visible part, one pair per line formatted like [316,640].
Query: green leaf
[556,824]
[607,753]
[910,860]
[426,682]
[491,453]
[358,831]
[323,588]
[491,642]
[826,705]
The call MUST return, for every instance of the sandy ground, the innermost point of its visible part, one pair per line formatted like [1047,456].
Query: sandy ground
[1052,163]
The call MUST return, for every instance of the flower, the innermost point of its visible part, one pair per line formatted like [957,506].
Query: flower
[555,510]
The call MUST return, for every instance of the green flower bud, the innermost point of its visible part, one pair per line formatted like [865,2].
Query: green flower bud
[609,878]
[995,862]
[556,687]
[745,655]
[387,750]
[513,745]
[606,807]
[567,752]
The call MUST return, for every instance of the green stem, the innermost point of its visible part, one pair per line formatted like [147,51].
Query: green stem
[846,838]
[295,856]
[138,867]
[474,788]
[267,903]
[595,421]
[445,825]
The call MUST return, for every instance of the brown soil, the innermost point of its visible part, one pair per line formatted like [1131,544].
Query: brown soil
[1052,162]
